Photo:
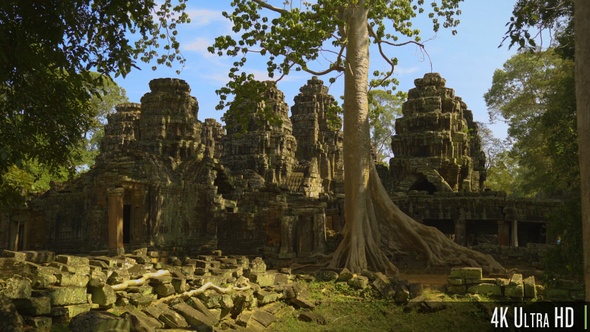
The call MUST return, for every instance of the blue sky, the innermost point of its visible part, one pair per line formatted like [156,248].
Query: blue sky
[467,60]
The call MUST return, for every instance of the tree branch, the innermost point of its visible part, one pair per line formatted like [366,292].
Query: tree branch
[271,7]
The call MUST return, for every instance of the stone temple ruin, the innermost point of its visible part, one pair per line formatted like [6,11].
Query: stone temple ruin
[167,180]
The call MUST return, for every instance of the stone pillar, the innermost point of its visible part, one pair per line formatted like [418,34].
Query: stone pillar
[115,217]
[460,226]
[514,238]
[286,250]
[319,231]
[504,233]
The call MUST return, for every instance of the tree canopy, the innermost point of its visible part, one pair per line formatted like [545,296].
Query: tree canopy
[384,108]
[47,49]
[534,94]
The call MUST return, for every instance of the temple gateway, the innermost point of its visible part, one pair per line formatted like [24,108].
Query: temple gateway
[165,179]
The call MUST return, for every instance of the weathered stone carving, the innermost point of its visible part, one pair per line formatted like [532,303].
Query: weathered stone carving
[319,138]
[166,180]
[264,147]
[436,145]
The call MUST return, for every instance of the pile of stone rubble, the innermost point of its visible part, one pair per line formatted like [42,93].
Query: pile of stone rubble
[150,291]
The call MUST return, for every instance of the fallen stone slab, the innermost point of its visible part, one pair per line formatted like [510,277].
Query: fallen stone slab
[169,317]
[197,304]
[99,321]
[140,322]
[263,317]
[193,316]
[310,316]
[302,302]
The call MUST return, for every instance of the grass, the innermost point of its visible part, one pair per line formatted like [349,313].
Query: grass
[346,309]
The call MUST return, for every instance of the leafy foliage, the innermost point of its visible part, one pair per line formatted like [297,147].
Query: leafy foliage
[384,108]
[533,93]
[566,258]
[531,18]
[31,177]
[47,49]
[294,38]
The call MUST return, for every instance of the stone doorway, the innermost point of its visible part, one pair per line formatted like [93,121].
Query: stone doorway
[126,224]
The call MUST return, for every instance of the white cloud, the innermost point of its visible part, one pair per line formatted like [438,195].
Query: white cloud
[406,71]
[199,45]
[203,17]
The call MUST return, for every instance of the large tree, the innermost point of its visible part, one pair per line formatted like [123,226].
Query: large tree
[534,94]
[47,49]
[293,37]
[582,54]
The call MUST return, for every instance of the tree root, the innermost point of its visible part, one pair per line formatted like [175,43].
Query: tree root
[200,290]
[403,231]
[140,281]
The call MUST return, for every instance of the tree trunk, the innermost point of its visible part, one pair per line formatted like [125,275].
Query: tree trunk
[368,210]
[582,54]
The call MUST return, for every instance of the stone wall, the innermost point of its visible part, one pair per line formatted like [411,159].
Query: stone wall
[165,179]
[436,144]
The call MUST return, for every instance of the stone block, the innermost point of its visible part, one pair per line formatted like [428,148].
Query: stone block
[244,318]
[516,287]
[265,297]
[226,301]
[17,287]
[473,273]
[530,289]
[326,275]
[72,260]
[263,317]
[502,282]
[164,290]
[18,256]
[490,289]
[257,265]
[456,281]
[103,296]
[138,299]
[211,299]
[282,278]
[99,321]
[34,306]
[97,279]
[263,279]
[198,304]
[344,275]
[358,282]
[169,317]
[402,294]
[39,324]
[383,285]
[193,316]
[67,279]
[180,285]
[42,276]
[70,311]
[140,322]
[302,302]
[62,296]
[310,316]
[460,290]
